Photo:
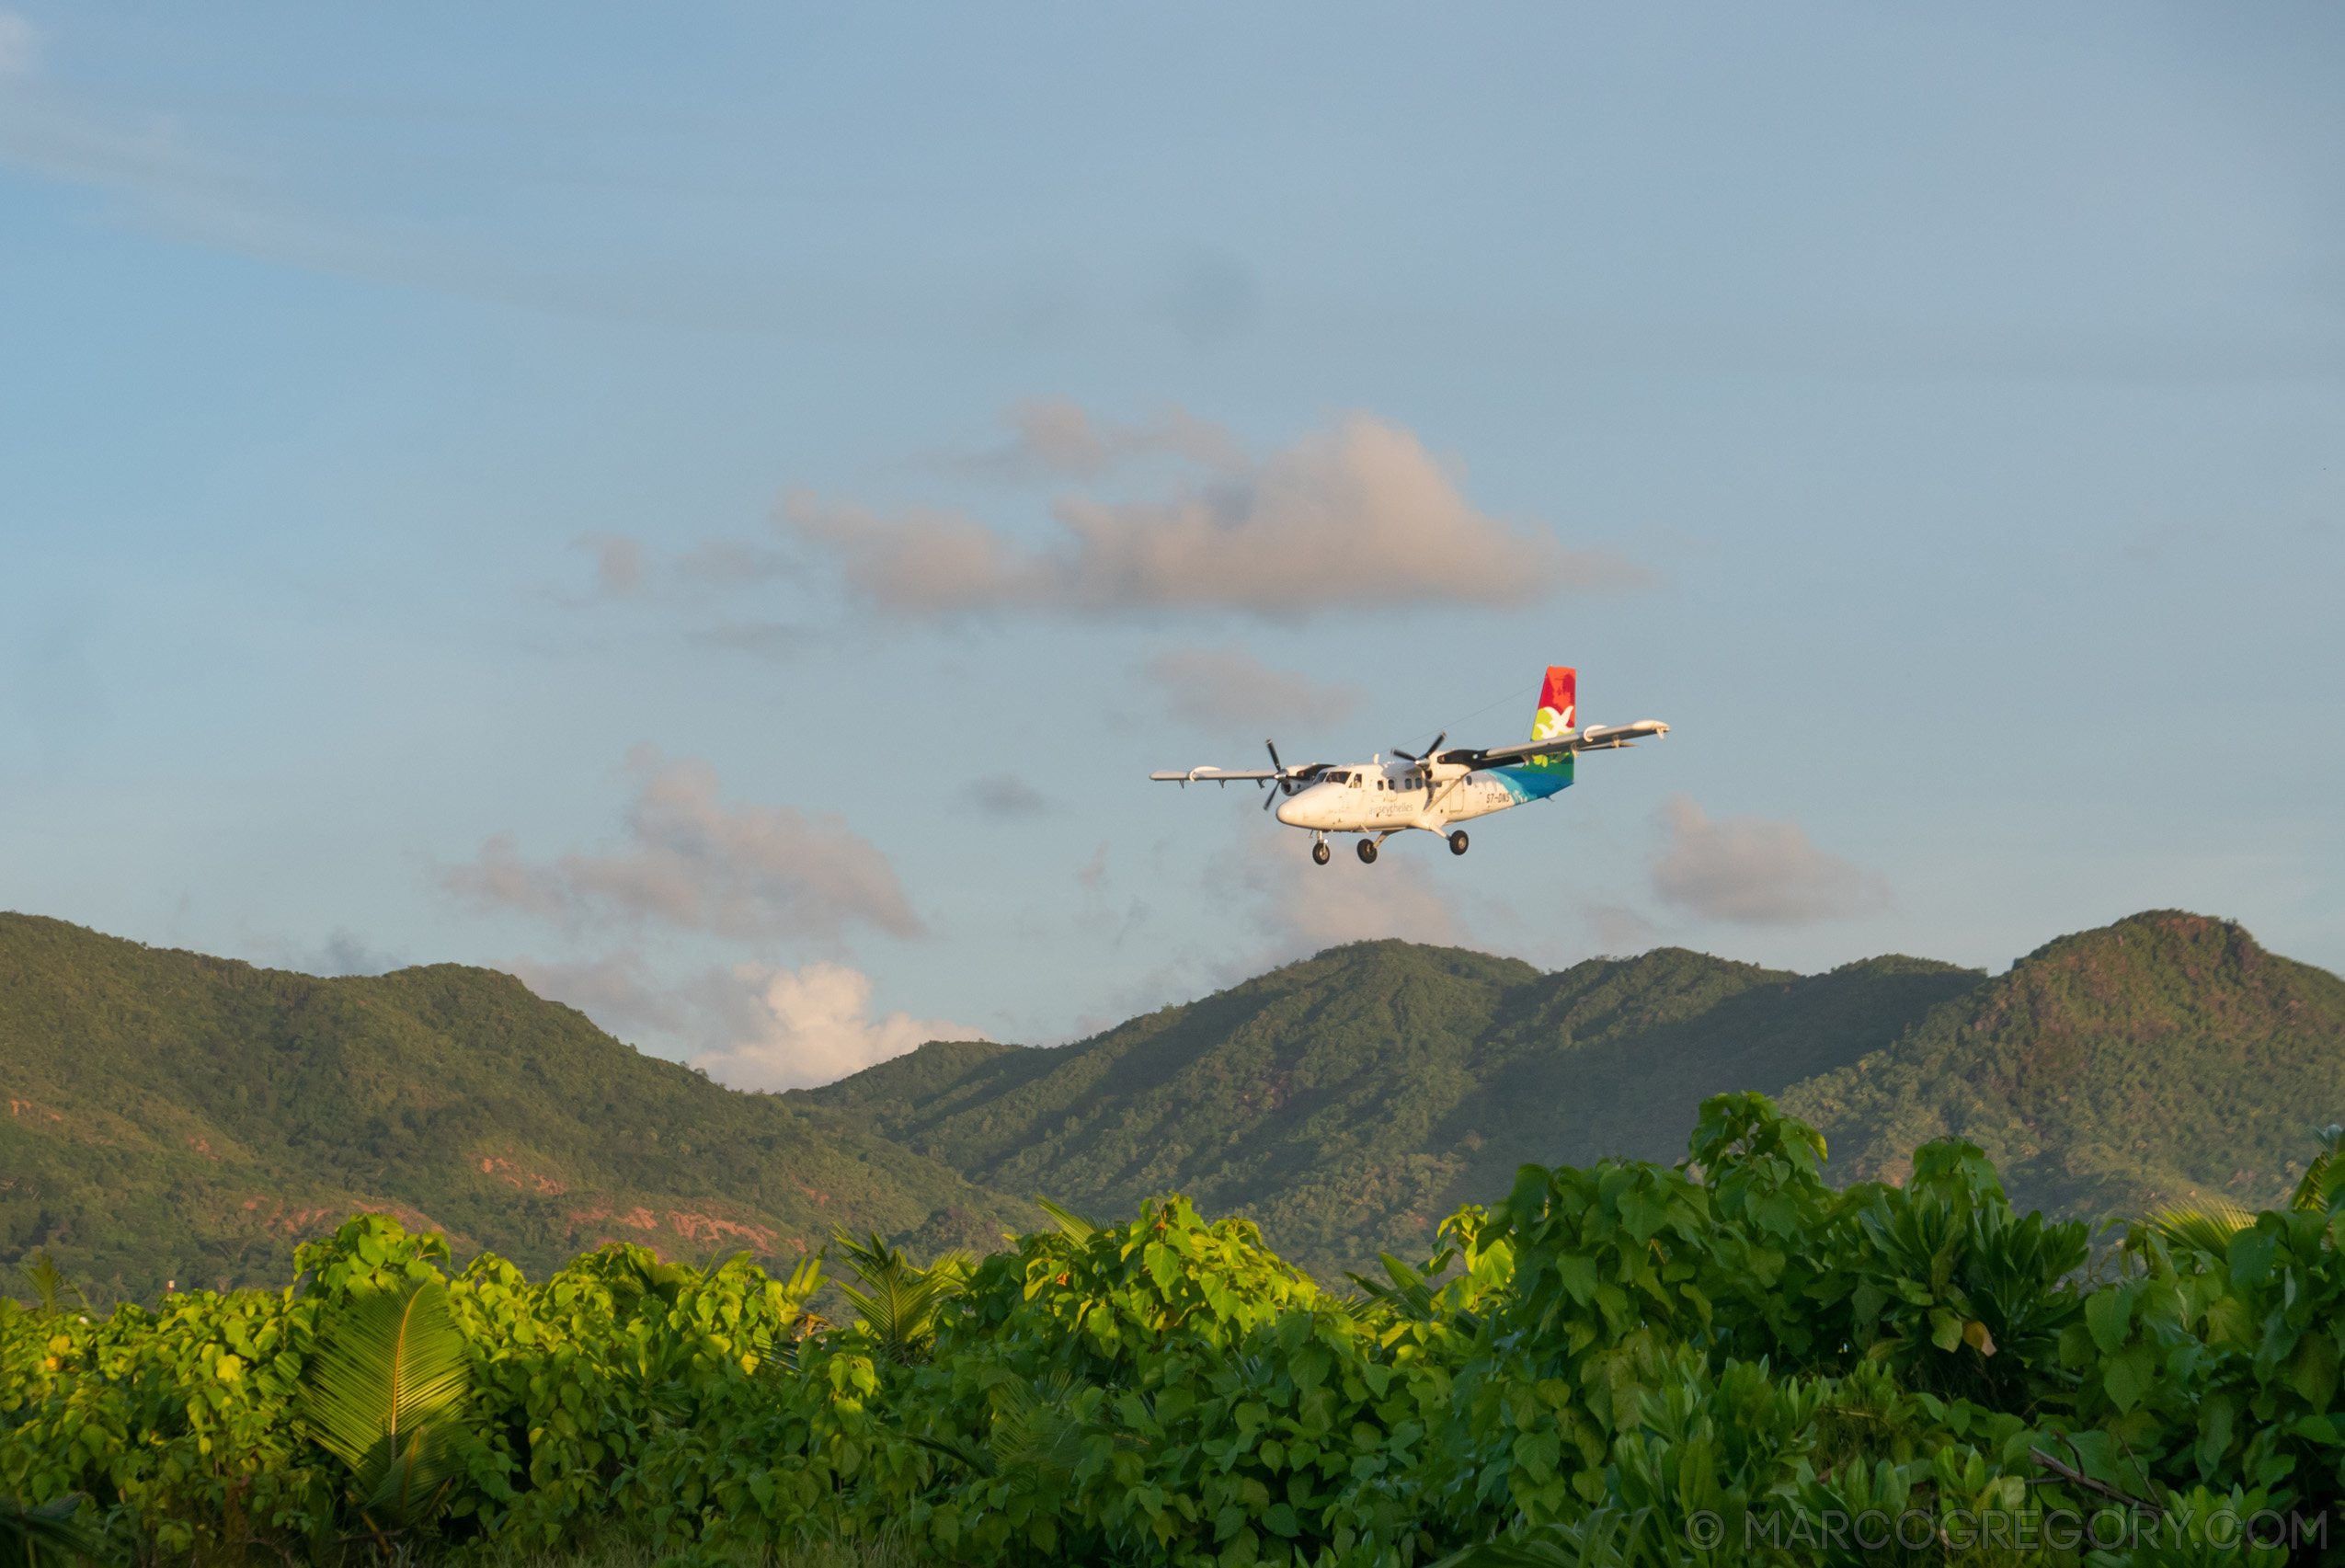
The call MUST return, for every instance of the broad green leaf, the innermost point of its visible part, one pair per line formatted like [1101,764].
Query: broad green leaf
[1643,1214]
[2312,1372]
[1578,1276]
[2129,1374]
[2217,1415]
[2250,1255]
[2109,1315]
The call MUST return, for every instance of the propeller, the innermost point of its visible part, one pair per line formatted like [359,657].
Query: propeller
[1428,752]
[1278,785]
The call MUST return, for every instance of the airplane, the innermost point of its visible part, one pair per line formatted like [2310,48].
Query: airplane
[1435,789]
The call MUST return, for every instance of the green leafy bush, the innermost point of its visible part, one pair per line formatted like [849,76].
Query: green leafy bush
[1723,1361]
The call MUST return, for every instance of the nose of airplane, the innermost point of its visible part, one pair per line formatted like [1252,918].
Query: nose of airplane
[1290,812]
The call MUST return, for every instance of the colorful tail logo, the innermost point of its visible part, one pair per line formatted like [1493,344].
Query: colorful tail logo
[1558,703]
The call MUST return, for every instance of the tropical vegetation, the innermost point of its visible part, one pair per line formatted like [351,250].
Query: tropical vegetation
[1725,1359]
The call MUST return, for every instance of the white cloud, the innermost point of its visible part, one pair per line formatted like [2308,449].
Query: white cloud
[795,1028]
[1220,689]
[1056,438]
[750,1026]
[19,45]
[1360,516]
[755,873]
[1757,873]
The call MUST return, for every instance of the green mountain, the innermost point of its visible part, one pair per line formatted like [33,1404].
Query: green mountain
[2163,1058]
[1350,1101]
[172,1116]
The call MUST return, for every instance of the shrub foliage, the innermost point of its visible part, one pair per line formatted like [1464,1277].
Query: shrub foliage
[1629,1363]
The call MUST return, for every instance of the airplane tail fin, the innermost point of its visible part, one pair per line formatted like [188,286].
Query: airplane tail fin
[1559,705]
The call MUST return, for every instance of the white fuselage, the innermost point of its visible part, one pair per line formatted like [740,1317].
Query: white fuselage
[1382,798]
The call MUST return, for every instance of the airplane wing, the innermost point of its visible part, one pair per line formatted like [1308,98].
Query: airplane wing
[1234,775]
[1595,738]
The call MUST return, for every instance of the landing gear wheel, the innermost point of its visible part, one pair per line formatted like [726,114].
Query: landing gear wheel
[1367,851]
[1458,842]
[1319,852]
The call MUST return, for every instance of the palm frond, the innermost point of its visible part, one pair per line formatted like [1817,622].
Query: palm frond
[1410,1297]
[426,1460]
[1077,1228]
[2205,1226]
[385,1393]
[1039,1427]
[27,1532]
[52,1292]
[959,1449]
[867,1258]
[1036,1435]
[899,1301]
[2319,1187]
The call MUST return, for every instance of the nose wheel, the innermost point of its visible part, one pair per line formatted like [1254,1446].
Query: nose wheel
[1319,851]
[1458,842]
[1367,851]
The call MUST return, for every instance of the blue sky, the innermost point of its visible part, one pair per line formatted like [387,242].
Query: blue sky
[720,511]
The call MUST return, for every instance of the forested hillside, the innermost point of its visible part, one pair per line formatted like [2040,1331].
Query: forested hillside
[1346,1103]
[2164,1058]
[174,1116]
